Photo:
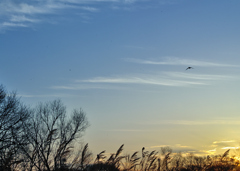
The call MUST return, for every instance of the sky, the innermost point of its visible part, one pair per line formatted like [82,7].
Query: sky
[124,63]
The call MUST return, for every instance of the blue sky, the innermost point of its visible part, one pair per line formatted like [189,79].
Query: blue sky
[123,62]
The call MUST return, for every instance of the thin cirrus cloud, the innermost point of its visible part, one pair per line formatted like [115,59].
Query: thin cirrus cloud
[44,95]
[162,79]
[189,149]
[142,80]
[220,142]
[199,76]
[9,24]
[85,86]
[22,18]
[26,13]
[118,82]
[23,14]
[225,145]
[176,145]
[186,149]
[205,122]
[226,148]
[179,61]
[194,123]
[168,79]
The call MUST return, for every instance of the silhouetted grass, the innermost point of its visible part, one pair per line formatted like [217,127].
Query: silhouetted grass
[166,161]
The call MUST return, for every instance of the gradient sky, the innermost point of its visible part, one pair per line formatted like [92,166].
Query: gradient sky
[123,62]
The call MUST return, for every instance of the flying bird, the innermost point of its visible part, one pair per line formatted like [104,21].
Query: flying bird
[189,68]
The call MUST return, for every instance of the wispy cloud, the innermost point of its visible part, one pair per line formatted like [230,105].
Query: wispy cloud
[142,80]
[220,148]
[224,148]
[168,79]
[22,18]
[199,76]
[172,146]
[84,87]
[199,122]
[198,151]
[10,24]
[163,79]
[179,61]
[223,145]
[217,121]
[19,14]
[220,142]
[24,13]
[45,95]
[126,130]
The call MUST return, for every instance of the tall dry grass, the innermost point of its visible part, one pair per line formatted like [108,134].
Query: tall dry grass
[164,160]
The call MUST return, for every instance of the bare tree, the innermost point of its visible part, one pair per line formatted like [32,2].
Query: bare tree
[51,134]
[13,114]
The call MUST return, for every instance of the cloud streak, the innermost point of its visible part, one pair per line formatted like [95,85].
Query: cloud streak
[194,123]
[84,87]
[223,145]
[22,18]
[142,81]
[179,61]
[167,79]
[199,76]
[24,13]
[205,122]
[161,79]
[44,95]
[220,142]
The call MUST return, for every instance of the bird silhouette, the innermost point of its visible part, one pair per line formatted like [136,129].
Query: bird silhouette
[189,68]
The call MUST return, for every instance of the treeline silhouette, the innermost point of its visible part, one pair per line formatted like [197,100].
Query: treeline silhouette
[46,138]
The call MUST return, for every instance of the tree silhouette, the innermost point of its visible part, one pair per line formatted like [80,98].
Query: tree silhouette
[13,114]
[50,134]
